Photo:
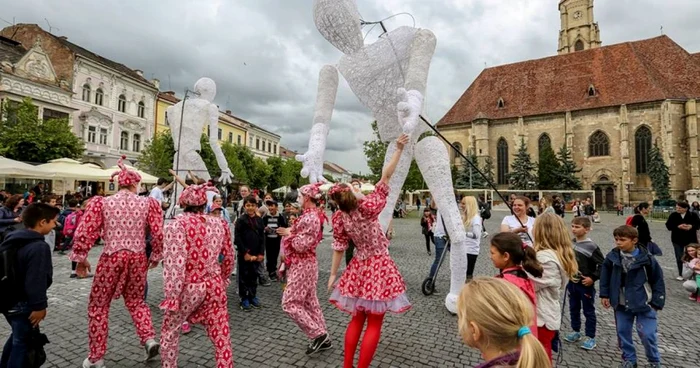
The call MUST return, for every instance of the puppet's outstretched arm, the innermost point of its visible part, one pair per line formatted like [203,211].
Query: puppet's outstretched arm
[226,175]
[325,102]
[411,95]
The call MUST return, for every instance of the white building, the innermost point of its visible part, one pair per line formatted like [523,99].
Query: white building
[262,143]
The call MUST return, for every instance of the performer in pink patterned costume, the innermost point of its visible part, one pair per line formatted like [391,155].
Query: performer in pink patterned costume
[299,300]
[371,284]
[121,221]
[194,281]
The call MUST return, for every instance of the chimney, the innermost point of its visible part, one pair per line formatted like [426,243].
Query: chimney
[64,38]
[156,83]
[139,72]
[228,112]
[169,93]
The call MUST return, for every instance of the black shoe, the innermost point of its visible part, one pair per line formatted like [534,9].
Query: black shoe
[264,282]
[73,275]
[316,345]
[274,278]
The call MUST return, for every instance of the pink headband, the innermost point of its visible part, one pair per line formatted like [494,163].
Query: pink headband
[125,177]
[338,188]
[196,195]
[312,190]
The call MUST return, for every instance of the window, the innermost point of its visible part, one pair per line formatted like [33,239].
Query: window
[137,143]
[219,134]
[591,91]
[598,144]
[121,105]
[103,136]
[99,96]
[86,92]
[250,141]
[578,46]
[269,147]
[257,143]
[501,103]
[208,131]
[141,109]
[124,141]
[230,137]
[543,142]
[642,145]
[167,123]
[274,148]
[92,134]
[239,140]
[53,114]
[502,161]
[454,157]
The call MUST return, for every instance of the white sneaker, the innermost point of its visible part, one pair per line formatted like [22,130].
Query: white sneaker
[98,364]
[484,235]
[152,349]
[679,278]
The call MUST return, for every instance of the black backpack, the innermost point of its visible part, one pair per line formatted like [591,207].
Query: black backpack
[10,281]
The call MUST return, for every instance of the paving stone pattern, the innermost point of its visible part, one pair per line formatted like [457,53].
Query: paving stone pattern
[426,336]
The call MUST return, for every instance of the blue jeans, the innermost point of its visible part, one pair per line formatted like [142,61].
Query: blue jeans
[14,352]
[646,329]
[582,296]
[440,243]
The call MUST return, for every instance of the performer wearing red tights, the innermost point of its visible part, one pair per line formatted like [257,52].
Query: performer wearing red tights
[121,220]
[299,300]
[194,281]
[371,284]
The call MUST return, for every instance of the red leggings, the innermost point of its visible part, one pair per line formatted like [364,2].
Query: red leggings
[369,341]
[546,336]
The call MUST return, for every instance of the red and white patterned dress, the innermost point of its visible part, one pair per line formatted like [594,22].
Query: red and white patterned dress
[195,283]
[299,300]
[121,221]
[371,282]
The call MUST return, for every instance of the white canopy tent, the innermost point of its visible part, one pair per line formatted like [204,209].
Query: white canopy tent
[18,169]
[69,169]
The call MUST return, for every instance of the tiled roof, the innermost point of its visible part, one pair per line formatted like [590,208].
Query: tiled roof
[633,72]
[10,50]
[696,57]
[334,168]
[286,152]
[168,96]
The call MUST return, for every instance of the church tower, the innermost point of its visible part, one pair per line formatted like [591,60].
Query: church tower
[578,30]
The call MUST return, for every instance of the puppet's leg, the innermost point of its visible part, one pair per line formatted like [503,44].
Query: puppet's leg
[433,162]
[396,181]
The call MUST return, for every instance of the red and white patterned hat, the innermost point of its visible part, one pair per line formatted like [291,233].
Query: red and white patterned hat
[312,190]
[125,177]
[196,195]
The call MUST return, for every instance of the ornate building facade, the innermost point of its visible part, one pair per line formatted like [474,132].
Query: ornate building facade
[114,104]
[609,105]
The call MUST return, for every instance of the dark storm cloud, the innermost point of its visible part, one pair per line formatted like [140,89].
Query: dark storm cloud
[265,54]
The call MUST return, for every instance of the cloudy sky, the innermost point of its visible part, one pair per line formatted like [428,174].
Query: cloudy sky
[265,54]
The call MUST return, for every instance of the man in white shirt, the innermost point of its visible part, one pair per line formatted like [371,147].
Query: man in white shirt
[157,191]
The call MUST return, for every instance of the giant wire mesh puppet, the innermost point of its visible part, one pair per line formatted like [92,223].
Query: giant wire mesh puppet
[187,121]
[388,76]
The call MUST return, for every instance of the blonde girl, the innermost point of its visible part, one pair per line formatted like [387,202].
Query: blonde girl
[494,316]
[556,255]
[472,225]
[544,207]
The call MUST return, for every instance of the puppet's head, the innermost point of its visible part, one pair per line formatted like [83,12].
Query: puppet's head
[339,23]
[205,88]
[125,177]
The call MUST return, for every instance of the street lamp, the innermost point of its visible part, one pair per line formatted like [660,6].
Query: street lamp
[629,195]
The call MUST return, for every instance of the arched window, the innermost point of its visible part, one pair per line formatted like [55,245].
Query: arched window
[502,161]
[501,103]
[121,104]
[86,92]
[124,141]
[642,145]
[99,96]
[578,46]
[141,109]
[598,144]
[454,156]
[137,143]
[543,142]
[591,91]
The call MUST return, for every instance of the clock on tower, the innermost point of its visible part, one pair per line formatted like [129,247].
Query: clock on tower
[579,32]
[578,14]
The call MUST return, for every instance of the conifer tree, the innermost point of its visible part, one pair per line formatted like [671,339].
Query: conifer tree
[548,167]
[523,175]
[658,173]
[566,175]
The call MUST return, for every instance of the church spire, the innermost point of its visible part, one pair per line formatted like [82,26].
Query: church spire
[578,30]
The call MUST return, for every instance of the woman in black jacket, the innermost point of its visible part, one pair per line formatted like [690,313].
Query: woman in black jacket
[9,212]
[683,226]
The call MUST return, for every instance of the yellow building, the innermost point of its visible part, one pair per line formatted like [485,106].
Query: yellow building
[230,128]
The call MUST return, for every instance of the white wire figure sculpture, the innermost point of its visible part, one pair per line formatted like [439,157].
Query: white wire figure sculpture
[389,77]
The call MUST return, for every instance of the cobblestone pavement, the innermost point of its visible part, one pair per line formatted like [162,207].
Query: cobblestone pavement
[426,336]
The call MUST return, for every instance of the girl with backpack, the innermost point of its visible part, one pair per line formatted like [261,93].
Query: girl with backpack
[70,223]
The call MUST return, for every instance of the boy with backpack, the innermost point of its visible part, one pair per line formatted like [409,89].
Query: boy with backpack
[26,273]
[632,282]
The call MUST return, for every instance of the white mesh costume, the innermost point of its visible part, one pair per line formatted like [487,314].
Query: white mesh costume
[197,111]
[388,76]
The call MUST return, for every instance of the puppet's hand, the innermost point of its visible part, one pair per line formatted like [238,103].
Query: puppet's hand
[226,176]
[409,108]
[312,159]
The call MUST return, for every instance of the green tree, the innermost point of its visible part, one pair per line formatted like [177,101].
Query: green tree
[276,166]
[375,151]
[658,173]
[24,136]
[414,179]
[548,168]
[157,155]
[260,175]
[487,169]
[207,155]
[234,163]
[566,175]
[523,170]
[467,177]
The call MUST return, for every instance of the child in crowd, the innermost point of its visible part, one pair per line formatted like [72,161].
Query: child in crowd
[556,255]
[249,239]
[69,225]
[501,334]
[426,223]
[72,206]
[691,270]
[513,258]
[582,291]
[272,221]
[25,307]
[632,282]
[51,238]
[218,202]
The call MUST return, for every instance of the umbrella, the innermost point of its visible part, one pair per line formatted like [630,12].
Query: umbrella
[66,168]
[146,178]
[18,169]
